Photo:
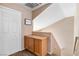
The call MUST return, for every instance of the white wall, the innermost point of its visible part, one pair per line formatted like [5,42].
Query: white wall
[63,32]
[76,22]
[68,9]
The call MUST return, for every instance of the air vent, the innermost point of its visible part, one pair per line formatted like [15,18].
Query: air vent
[32,5]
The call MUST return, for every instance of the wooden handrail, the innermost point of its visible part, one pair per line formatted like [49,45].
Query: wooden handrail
[76,39]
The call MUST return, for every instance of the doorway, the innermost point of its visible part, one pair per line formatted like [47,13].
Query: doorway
[10,31]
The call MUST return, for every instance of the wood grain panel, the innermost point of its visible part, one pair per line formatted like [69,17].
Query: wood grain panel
[26,41]
[31,44]
[44,47]
[40,47]
[36,46]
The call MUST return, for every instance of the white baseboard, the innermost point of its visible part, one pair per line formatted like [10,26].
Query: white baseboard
[50,52]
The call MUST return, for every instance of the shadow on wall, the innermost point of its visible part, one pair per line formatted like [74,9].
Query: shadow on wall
[63,32]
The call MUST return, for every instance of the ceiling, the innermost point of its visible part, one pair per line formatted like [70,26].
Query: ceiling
[33,6]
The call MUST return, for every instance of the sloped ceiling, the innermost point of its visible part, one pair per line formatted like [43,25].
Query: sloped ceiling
[52,14]
[39,10]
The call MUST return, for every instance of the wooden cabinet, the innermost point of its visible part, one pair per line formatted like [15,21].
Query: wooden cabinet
[37,45]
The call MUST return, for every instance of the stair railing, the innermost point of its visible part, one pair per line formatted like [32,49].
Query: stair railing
[75,44]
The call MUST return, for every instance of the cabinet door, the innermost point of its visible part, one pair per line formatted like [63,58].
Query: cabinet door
[26,42]
[41,47]
[38,47]
[44,47]
[31,44]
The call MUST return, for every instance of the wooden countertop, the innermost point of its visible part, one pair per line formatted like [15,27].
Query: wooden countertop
[37,37]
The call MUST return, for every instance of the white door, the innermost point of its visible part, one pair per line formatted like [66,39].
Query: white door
[1,32]
[11,29]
